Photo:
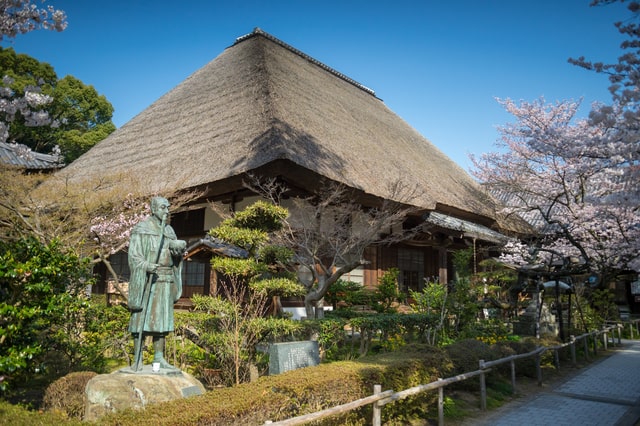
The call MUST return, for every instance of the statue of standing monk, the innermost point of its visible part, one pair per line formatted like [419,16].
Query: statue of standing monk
[155,261]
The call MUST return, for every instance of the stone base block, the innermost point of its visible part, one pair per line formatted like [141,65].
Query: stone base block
[107,393]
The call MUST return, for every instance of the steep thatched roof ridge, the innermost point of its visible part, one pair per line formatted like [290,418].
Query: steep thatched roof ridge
[261,101]
[258,31]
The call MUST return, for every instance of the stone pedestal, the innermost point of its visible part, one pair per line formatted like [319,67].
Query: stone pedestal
[125,388]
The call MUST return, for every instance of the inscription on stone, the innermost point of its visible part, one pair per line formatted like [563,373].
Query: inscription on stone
[191,391]
[292,355]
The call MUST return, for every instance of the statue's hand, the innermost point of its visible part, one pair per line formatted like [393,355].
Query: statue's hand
[178,247]
[152,268]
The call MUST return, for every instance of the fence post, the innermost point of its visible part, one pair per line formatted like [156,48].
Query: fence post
[573,349]
[513,376]
[538,369]
[619,327]
[605,340]
[483,388]
[595,344]
[585,341]
[377,410]
[440,404]
[556,358]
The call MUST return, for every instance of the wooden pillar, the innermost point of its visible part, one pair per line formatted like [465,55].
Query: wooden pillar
[212,289]
[442,265]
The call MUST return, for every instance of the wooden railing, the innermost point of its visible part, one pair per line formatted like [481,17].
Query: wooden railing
[633,326]
[379,398]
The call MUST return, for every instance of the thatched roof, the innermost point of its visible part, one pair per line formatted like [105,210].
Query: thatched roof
[262,102]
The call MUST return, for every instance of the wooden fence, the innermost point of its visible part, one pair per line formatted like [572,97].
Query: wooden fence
[379,398]
[634,328]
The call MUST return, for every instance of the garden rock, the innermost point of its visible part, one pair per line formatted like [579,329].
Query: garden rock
[107,393]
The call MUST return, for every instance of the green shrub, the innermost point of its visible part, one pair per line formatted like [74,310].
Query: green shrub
[306,390]
[66,395]
[16,415]
[465,355]
[347,293]
[387,290]
[506,348]
[43,307]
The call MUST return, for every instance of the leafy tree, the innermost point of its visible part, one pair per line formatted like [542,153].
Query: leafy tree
[40,286]
[387,291]
[348,292]
[329,231]
[501,284]
[20,17]
[247,288]
[80,116]
[432,300]
[464,294]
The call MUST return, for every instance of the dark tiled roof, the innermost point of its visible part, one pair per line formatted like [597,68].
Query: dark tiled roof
[21,156]
[466,228]
[216,246]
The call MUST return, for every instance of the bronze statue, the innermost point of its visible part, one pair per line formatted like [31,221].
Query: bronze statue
[155,261]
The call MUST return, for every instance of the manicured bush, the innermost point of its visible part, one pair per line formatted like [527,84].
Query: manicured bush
[66,395]
[306,390]
[16,415]
[505,348]
[465,354]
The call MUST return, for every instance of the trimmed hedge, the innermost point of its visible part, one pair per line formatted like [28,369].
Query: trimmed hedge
[66,394]
[304,391]
[16,415]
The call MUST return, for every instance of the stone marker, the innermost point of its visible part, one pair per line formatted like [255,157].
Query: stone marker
[292,355]
[107,393]
[526,323]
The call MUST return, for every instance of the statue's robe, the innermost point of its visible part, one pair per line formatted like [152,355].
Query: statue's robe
[166,285]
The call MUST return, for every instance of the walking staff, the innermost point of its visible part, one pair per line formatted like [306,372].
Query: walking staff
[155,261]
[137,341]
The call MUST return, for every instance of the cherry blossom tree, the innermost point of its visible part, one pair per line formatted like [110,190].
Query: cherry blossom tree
[23,16]
[564,176]
[577,180]
[621,119]
[20,17]
[110,231]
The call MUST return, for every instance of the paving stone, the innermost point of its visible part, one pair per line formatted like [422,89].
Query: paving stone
[606,393]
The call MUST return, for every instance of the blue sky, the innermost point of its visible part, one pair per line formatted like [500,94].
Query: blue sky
[438,64]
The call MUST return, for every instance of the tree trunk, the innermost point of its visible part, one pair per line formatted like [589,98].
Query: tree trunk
[313,306]
[320,309]
[115,279]
[314,299]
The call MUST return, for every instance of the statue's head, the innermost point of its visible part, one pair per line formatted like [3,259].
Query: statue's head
[160,207]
